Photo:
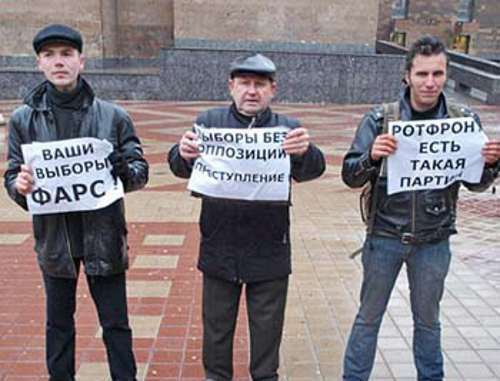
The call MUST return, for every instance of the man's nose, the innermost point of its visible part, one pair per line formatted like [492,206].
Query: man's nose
[430,81]
[252,88]
[58,61]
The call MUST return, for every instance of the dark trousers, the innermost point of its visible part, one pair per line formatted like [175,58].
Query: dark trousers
[266,309]
[110,298]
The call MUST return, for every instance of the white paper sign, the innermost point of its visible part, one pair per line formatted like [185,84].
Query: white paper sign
[71,175]
[432,154]
[243,164]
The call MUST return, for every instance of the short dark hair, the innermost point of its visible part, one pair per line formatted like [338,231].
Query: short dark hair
[425,46]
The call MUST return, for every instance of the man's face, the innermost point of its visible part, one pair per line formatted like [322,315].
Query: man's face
[426,79]
[252,93]
[61,64]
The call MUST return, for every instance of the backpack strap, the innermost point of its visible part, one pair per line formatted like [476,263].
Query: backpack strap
[388,112]
[456,110]
[391,114]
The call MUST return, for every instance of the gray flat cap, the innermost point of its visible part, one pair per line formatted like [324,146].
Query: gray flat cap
[253,63]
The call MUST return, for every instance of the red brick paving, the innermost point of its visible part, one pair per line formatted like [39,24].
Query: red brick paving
[175,354]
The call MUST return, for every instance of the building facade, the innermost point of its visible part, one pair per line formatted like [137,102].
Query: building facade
[140,28]
[111,28]
[468,26]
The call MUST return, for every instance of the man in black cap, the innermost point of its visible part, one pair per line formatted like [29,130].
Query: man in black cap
[64,107]
[246,242]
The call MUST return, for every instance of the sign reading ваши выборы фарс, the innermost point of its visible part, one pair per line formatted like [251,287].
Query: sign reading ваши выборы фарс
[71,175]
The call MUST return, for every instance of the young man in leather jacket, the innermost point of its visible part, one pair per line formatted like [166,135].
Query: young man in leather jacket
[65,107]
[242,242]
[411,227]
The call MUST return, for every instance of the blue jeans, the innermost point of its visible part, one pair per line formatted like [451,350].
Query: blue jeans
[427,266]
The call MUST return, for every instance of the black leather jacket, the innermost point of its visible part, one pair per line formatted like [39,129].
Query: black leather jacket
[104,235]
[419,216]
[247,241]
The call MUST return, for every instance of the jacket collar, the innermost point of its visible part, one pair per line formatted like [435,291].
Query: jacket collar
[259,120]
[37,97]
[405,106]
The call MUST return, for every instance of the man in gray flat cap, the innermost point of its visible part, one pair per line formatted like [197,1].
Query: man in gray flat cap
[246,242]
[64,107]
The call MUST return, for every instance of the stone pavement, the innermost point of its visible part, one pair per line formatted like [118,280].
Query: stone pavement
[164,285]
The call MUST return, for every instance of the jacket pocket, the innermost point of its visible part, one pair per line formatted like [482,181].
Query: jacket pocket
[396,204]
[105,240]
[273,225]
[215,217]
[39,228]
[435,205]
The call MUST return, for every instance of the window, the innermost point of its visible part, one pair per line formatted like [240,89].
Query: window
[465,10]
[461,43]
[400,9]
[398,37]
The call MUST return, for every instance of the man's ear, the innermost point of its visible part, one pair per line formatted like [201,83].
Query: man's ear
[82,62]
[274,87]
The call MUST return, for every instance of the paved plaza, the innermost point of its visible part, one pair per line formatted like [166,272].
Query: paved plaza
[164,286]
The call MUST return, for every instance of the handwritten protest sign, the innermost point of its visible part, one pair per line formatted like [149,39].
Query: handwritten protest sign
[244,164]
[432,154]
[71,175]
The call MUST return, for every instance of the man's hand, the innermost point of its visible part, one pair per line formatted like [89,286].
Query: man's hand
[491,151]
[188,146]
[24,180]
[296,141]
[383,146]
[120,166]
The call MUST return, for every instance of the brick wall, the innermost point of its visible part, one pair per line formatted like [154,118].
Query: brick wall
[124,28]
[144,27]
[486,41]
[429,17]
[139,28]
[321,21]
[21,19]
[385,22]
[440,18]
